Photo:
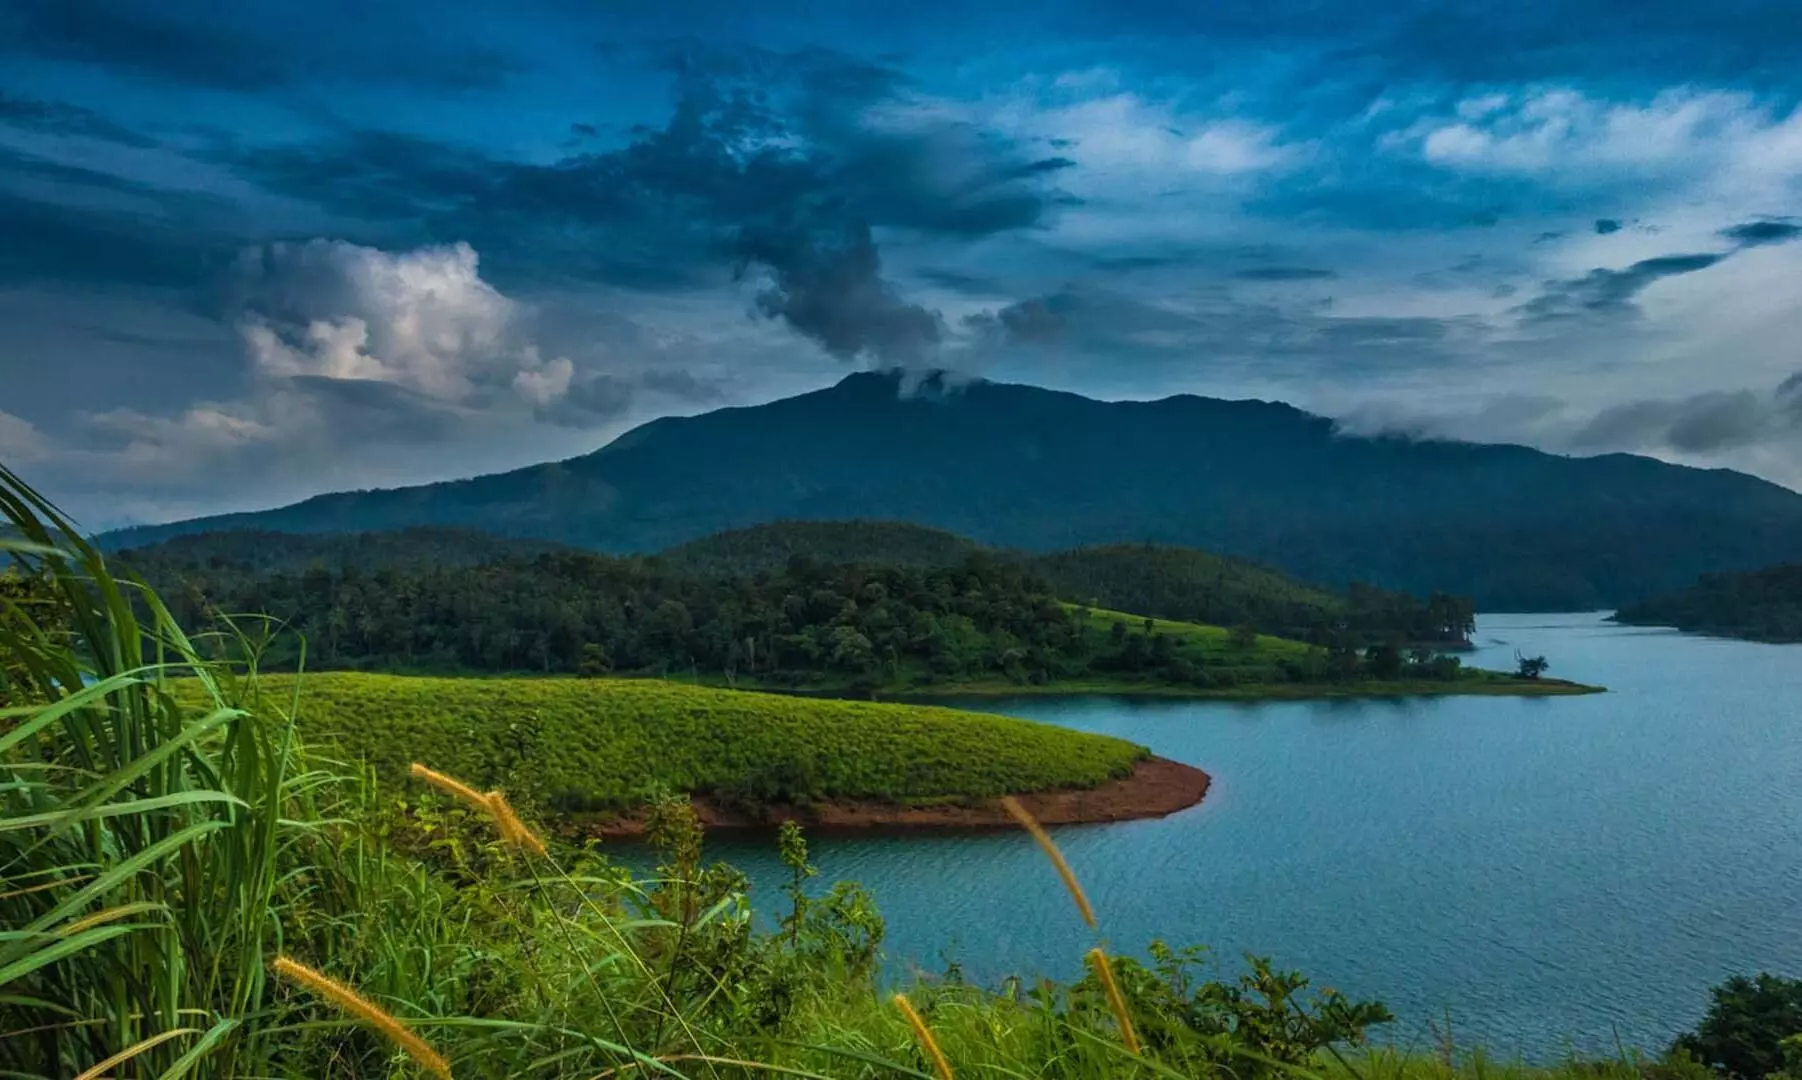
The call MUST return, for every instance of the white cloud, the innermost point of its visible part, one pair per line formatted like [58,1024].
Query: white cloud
[1126,133]
[1721,142]
[20,441]
[422,320]
[543,383]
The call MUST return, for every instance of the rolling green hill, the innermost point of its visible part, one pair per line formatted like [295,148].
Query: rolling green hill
[593,744]
[1038,470]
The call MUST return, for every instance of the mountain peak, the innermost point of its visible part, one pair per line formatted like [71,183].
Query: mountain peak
[1037,469]
[905,382]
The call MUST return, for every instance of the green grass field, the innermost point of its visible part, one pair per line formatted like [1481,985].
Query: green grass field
[607,743]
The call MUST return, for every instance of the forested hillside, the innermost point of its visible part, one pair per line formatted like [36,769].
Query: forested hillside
[1764,605]
[807,624]
[1157,581]
[769,547]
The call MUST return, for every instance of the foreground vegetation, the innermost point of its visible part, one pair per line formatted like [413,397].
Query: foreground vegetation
[1760,605]
[858,629]
[190,892]
[607,744]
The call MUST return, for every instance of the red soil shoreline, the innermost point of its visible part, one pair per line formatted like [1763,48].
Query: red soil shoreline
[1158,787]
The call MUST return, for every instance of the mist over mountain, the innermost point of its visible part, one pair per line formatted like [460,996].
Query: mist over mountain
[1023,467]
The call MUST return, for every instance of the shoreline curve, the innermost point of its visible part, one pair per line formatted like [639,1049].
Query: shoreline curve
[1157,787]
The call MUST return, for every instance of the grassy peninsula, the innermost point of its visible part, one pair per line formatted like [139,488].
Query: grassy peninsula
[612,744]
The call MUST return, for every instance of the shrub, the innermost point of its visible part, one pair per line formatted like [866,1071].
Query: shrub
[1748,1020]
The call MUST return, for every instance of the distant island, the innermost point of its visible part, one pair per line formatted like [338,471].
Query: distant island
[1758,605]
[1030,469]
[913,613]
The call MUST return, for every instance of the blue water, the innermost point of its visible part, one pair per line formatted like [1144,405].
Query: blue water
[1543,873]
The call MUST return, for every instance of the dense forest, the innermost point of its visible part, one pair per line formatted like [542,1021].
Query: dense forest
[1763,605]
[807,623]
[1036,470]
[1198,586]
[1164,582]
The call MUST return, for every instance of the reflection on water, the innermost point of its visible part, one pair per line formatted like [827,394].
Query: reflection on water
[1546,872]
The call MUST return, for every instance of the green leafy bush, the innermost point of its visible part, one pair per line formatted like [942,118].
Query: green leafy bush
[1748,1022]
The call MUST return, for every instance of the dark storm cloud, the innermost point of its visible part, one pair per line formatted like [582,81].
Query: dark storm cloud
[1036,321]
[49,243]
[249,46]
[1602,293]
[737,151]
[1220,330]
[1285,273]
[1715,420]
[767,159]
[958,281]
[1605,226]
[1764,231]
[837,296]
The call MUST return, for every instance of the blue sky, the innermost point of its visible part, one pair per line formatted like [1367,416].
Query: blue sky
[252,252]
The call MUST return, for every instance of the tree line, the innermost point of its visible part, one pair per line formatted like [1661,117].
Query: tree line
[857,624]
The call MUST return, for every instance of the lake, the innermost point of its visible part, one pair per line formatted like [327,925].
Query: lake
[1544,873]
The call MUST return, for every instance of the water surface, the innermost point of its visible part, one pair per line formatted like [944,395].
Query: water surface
[1543,872]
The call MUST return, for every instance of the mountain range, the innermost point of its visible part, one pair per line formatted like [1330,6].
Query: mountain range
[1035,469]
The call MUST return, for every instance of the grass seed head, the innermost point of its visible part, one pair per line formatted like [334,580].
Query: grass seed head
[923,1034]
[1104,970]
[1031,825]
[349,1001]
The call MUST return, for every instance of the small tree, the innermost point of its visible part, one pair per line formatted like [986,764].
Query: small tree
[1530,667]
[792,845]
[594,662]
[1384,661]
[1243,636]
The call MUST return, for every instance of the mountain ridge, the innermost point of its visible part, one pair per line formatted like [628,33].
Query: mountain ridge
[1035,469]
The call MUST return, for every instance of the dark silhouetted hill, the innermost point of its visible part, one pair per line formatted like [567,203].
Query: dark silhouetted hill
[1041,470]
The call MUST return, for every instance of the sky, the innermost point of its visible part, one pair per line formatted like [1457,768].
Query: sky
[257,251]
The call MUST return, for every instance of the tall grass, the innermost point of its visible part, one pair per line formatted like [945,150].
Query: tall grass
[186,891]
[139,840]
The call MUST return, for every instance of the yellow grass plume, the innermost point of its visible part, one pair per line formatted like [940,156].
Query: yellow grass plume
[1031,825]
[1104,970]
[455,788]
[349,1001]
[494,804]
[924,1034]
[513,830]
